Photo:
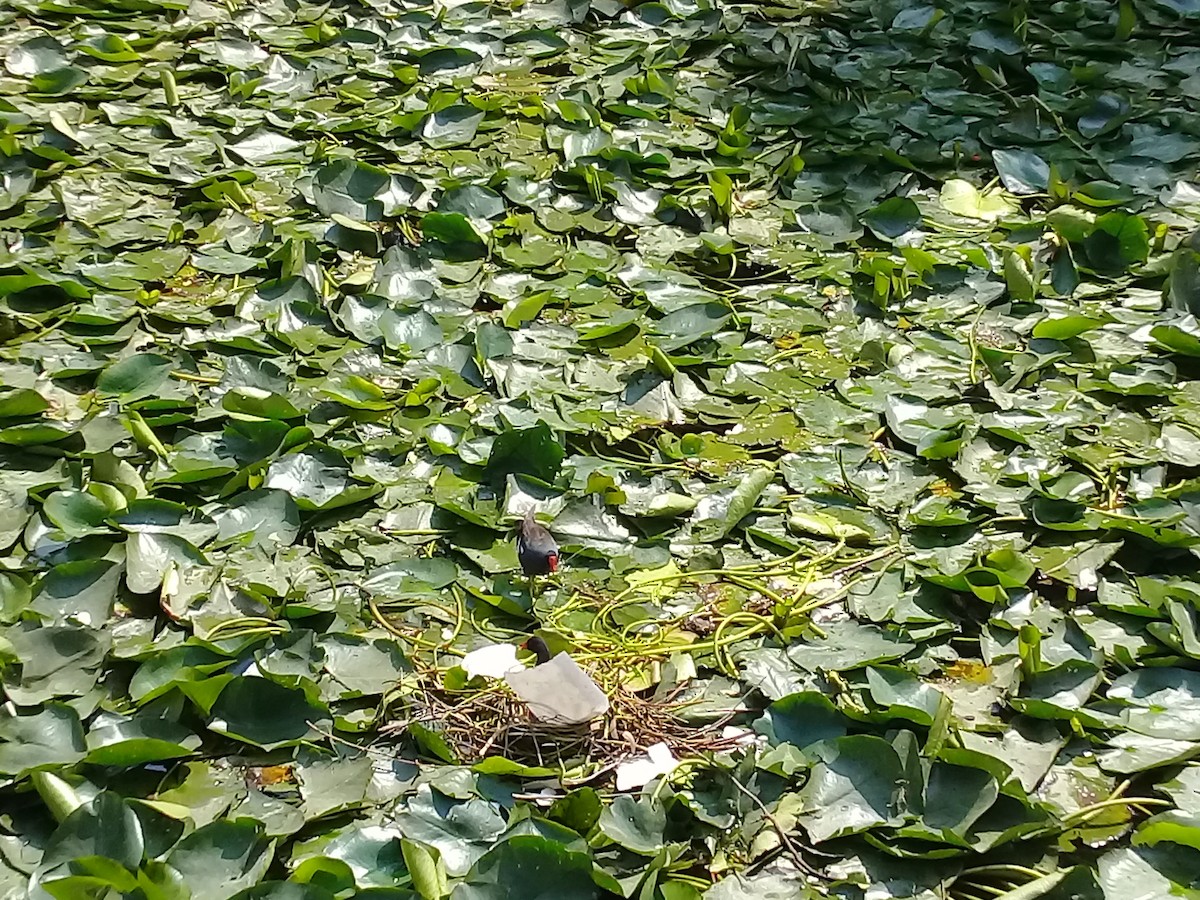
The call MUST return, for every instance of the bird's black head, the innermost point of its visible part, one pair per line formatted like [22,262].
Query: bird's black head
[538,648]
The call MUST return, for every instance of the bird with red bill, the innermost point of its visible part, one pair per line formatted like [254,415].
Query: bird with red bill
[538,648]
[537,551]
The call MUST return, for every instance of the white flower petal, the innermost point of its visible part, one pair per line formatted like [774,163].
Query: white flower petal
[742,736]
[492,661]
[658,760]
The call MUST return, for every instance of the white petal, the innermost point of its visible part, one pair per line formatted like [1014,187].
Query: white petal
[641,770]
[742,736]
[660,755]
[492,661]
[546,797]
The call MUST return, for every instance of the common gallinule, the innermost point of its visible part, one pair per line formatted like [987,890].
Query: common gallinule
[538,648]
[537,550]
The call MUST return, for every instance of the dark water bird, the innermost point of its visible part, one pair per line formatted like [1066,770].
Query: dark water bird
[538,648]
[536,548]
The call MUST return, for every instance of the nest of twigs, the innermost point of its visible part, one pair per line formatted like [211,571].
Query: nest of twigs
[494,722]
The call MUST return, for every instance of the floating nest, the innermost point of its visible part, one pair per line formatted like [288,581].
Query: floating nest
[494,722]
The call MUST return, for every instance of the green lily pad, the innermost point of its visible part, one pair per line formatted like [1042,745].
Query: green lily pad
[222,858]
[527,866]
[47,738]
[266,714]
[855,786]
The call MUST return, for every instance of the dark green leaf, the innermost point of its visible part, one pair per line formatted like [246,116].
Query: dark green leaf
[220,859]
[43,739]
[266,714]
[529,866]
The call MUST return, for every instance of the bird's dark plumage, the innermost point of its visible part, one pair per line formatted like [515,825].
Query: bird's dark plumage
[538,648]
[536,548]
